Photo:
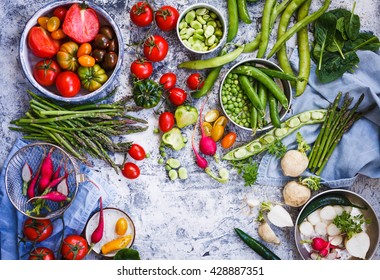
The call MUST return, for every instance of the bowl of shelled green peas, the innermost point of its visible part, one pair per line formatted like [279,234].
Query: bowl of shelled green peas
[255,94]
[201,28]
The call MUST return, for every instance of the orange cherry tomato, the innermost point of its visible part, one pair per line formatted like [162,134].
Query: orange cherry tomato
[42,21]
[86,60]
[58,34]
[228,140]
[217,132]
[121,226]
[84,48]
[53,24]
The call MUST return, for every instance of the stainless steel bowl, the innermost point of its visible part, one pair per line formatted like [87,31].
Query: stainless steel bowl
[28,60]
[372,228]
[283,84]
[220,17]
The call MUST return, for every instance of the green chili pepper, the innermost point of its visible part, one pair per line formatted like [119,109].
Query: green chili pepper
[233,20]
[212,62]
[266,81]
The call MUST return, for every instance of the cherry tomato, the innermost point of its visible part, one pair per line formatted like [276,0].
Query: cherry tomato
[217,132]
[86,60]
[141,14]
[37,230]
[166,121]
[42,253]
[195,81]
[53,24]
[155,48]
[60,13]
[130,170]
[68,84]
[177,96]
[166,18]
[41,44]
[141,69]
[83,49]
[74,247]
[228,140]
[168,80]
[46,71]
[43,21]
[58,34]
[137,152]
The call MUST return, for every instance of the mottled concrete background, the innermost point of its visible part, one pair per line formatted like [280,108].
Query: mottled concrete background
[193,219]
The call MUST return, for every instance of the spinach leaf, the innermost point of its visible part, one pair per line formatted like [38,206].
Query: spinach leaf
[337,44]
[352,24]
[324,32]
[340,13]
[316,53]
[334,66]
[127,254]
[340,27]
[364,41]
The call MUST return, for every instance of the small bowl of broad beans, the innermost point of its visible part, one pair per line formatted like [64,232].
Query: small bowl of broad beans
[201,28]
[255,94]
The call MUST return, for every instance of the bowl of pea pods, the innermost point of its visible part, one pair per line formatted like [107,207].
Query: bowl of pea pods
[201,28]
[255,94]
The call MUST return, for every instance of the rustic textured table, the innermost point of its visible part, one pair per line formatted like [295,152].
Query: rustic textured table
[192,219]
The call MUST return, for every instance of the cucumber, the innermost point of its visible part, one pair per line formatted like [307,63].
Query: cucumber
[264,141]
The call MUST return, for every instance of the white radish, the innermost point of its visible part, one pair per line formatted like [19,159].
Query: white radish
[63,188]
[314,256]
[338,209]
[296,194]
[336,240]
[328,213]
[321,228]
[267,234]
[347,209]
[355,212]
[294,163]
[333,230]
[358,245]
[280,217]
[314,218]
[306,228]
[251,202]
[332,255]
[26,173]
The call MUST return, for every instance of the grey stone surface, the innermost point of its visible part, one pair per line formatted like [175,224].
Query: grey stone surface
[192,219]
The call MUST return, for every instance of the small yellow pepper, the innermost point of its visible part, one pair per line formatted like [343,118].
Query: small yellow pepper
[121,226]
[116,244]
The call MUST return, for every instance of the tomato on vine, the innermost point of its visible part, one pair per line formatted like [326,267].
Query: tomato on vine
[141,14]
[195,81]
[74,247]
[166,18]
[177,96]
[137,152]
[46,71]
[37,230]
[141,69]
[168,80]
[155,48]
[42,253]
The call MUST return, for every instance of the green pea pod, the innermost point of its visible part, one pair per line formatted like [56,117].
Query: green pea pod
[257,246]
[254,119]
[233,20]
[252,45]
[273,110]
[265,27]
[297,27]
[251,93]
[265,80]
[263,96]
[212,62]
[278,74]
[243,11]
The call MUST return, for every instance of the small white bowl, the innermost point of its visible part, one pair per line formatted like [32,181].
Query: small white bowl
[28,60]
[212,9]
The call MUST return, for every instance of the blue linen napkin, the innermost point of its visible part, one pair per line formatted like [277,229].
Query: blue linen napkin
[359,150]
[75,217]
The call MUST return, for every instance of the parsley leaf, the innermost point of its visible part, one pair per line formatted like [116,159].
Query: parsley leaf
[248,170]
[277,148]
[350,225]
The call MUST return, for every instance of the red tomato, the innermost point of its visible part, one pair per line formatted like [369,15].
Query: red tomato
[195,81]
[81,24]
[68,84]
[45,72]
[155,48]
[141,14]
[130,170]
[60,13]
[74,247]
[42,253]
[177,96]
[41,44]
[166,18]
[166,121]
[37,230]
[141,69]
[137,152]
[168,80]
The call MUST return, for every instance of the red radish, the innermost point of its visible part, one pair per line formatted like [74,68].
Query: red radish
[56,172]
[26,175]
[97,235]
[318,243]
[47,171]
[201,162]
[55,182]
[53,196]
[62,187]
[31,192]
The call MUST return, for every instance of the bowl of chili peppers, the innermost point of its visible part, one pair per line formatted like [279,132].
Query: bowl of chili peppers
[41,180]
[69,51]
[255,94]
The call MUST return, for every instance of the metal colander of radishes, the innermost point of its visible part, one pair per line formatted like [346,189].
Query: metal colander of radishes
[335,232]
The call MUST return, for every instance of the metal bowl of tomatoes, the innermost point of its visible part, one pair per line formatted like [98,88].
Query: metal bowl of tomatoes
[71,51]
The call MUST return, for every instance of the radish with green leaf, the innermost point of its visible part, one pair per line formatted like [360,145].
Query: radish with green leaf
[277,214]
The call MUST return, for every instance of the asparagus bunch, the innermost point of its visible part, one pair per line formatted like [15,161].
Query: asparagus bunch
[82,130]
[337,122]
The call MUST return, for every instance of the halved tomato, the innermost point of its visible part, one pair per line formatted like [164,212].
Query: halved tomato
[41,44]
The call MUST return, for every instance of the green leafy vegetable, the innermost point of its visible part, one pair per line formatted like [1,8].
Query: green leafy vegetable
[127,254]
[349,224]
[248,170]
[313,183]
[303,147]
[352,24]
[277,148]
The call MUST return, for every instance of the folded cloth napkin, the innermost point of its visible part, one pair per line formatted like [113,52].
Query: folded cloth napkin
[359,150]
[75,217]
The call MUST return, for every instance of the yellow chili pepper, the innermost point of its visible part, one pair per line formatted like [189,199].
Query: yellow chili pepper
[116,244]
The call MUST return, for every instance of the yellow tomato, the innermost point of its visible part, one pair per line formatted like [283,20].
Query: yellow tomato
[86,60]
[121,226]
[84,48]
[53,24]
[222,120]
[217,132]
[212,116]
[207,127]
